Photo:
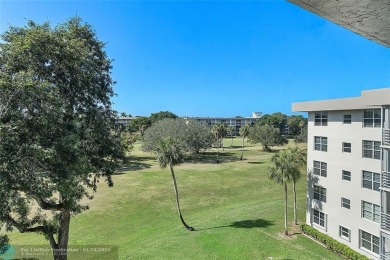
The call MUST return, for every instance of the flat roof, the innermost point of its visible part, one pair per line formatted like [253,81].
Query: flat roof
[368,99]
[371,19]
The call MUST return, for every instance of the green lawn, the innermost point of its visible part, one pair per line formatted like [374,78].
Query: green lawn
[236,210]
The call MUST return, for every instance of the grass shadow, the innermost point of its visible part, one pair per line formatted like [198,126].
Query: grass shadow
[211,157]
[255,162]
[249,223]
[132,166]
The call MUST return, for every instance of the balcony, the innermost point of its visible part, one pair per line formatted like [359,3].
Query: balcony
[385,221]
[386,137]
[385,180]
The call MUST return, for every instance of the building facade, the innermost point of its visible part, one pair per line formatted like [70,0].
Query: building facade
[348,163]
[235,122]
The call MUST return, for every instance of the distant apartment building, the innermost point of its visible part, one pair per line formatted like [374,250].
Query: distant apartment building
[348,164]
[124,120]
[235,122]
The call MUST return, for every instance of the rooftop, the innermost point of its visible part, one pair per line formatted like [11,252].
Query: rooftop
[367,99]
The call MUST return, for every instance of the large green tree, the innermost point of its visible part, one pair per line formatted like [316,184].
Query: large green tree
[277,120]
[139,125]
[266,135]
[166,139]
[197,136]
[57,127]
[296,123]
[154,117]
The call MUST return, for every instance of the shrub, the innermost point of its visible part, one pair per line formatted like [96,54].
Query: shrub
[332,244]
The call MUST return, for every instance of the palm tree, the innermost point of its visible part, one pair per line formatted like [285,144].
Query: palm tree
[280,171]
[244,131]
[230,130]
[299,158]
[219,132]
[169,154]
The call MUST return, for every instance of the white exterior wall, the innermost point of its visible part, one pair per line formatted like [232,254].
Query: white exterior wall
[336,188]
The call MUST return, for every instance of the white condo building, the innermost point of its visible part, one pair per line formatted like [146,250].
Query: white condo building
[348,162]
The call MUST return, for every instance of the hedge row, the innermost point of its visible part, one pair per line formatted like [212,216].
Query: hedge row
[332,244]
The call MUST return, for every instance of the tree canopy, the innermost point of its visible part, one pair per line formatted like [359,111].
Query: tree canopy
[266,135]
[190,136]
[57,127]
[277,120]
[154,117]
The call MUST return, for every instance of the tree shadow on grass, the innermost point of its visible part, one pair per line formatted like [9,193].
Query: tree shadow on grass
[249,223]
[211,157]
[132,166]
[255,162]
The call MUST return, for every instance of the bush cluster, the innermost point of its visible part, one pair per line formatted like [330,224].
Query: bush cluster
[332,244]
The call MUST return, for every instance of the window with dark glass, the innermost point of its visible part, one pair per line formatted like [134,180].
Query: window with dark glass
[321,118]
[346,147]
[347,119]
[371,149]
[372,118]
[320,193]
[320,143]
[320,168]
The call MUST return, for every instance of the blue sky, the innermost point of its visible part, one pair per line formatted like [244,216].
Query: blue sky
[216,58]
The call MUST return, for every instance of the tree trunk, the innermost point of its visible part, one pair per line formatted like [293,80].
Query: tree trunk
[177,201]
[60,249]
[242,149]
[295,204]
[218,153]
[285,209]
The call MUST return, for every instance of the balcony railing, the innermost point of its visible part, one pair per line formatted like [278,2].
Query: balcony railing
[385,257]
[385,221]
[385,180]
[386,137]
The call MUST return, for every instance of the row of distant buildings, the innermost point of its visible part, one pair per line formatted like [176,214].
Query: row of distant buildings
[234,122]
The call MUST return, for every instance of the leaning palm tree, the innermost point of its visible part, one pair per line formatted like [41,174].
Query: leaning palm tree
[244,131]
[280,171]
[170,154]
[299,158]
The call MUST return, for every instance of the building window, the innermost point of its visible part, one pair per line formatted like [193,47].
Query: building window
[346,176]
[369,242]
[345,203]
[320,143]
[371,211]
[321,118]
[371,149]
[346,147]
[344,232]
[372,118]
[347,119]
[319,218]
[371,180]
[320,168]
[320,193]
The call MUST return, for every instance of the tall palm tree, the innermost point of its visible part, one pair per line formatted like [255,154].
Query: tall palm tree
[169,154]
[280,171]
[244,131]
[298,157]
[230,130]
[219,132]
